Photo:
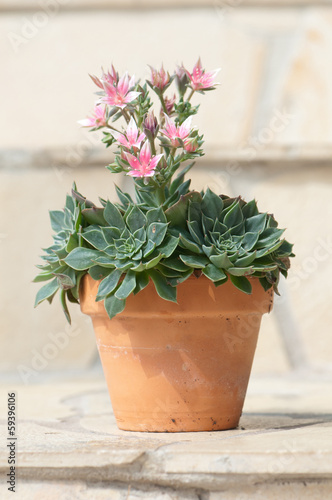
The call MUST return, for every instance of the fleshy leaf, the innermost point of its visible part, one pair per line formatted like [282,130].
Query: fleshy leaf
[177,213]
[221,261]
[64,305]
[240,271]
[233,217]
[98,272]
[256,224]
[164,290]
[168,246]
[47,291]
[127,286]
[96,238]
[195,261]
[156,232]
[113,216]
[213,273]
[82,258]
[108,284]
[242,284]
[142,280]
[94,215]
[57,220]
[114,306]
[135,219]
[212,204]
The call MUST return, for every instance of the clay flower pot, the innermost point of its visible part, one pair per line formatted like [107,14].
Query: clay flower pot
[179,367]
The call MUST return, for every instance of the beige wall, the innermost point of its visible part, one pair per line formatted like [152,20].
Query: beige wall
[268,132]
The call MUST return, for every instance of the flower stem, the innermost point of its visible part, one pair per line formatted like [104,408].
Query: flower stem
[160,195]
[125,115]
[191,94]
[163,103]
[112,128]
[152,145]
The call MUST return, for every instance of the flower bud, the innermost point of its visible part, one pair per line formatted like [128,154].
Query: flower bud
[110,77]
[181,79]
[169,103]
[191,145]
[159,79]
[150,125]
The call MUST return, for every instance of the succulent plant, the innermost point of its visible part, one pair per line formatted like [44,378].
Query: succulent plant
[167,232]
[227,237]
[67,224]
[124,253]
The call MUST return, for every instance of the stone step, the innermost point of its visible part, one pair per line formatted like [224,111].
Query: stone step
[68,442]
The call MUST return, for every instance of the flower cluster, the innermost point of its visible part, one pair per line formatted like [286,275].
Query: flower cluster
[150,148]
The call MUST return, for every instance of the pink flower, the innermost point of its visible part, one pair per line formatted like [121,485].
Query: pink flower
[119,95]
[173,133]
[131,137]
[199,80]
[159,78]
[145,165]
[98,118]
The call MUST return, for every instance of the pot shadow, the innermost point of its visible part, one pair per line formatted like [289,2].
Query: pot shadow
[277,421]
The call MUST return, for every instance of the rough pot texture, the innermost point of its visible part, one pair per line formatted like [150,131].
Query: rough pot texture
[179,367]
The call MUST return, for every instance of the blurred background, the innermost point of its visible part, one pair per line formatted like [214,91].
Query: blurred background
[268,133]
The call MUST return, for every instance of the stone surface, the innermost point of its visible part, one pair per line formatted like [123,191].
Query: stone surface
[68,442]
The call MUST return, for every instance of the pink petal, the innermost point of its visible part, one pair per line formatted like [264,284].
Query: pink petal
[163,75]
[170,127]
[123,85]
[132,82]
[145,154]
[131,96]
[141,138]
[197,71]
[87,122]
[153,72]
[115,134]
[113,73]
[120,138]
[212,74]
[99,112]
[109,89]
[133,162]
[132,131]
[155,160]
[135,173]
[184,129]
[108,100]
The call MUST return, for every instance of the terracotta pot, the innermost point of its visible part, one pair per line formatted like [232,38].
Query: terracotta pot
[179,367]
